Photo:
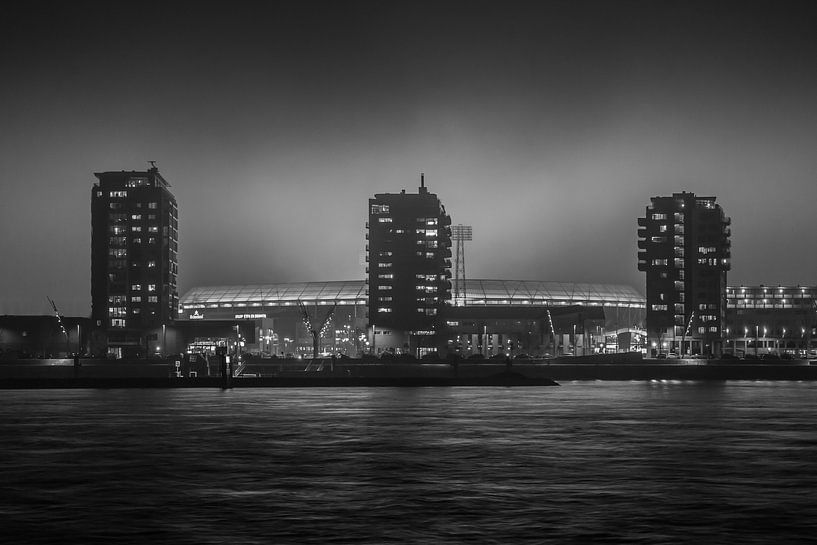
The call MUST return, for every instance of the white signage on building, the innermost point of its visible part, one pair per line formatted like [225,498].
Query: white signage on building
[196,315]
[249,316]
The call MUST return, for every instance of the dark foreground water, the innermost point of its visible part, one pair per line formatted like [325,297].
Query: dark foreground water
[586,462]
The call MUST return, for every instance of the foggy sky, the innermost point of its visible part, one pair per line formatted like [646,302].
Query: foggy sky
[546,127]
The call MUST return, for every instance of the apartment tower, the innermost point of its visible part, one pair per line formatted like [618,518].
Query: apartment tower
[684,249]
[134,245]
[409,260]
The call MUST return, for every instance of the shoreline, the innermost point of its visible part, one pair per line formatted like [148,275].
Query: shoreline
[37,374]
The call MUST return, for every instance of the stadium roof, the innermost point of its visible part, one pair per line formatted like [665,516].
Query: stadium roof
[478,293]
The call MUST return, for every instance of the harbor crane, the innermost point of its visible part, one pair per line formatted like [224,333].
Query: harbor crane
[62,326]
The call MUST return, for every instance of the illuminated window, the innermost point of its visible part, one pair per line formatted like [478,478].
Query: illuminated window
[385,219]
[151,264]
[136,216]
[136,287]
[385,299]
[380,209]
[384,309]
[151,287]
[118,194]
[152,205]
[153,298]
[662,228]
[136,228]
[386,276]
[384,287]
[384,265]
[659,216]
[151,240]
[115,205]
[118,322]
[118,252]
[153,229]
[136,299]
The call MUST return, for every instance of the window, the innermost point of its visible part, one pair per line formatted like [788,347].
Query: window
[384,265]
[151,264]
[118,241]
[117,299]
[136,310]
[118,322]
[153,229]
[659,262]
[658,308]
[114,194]
[115,206]
[136,299]
[385,299]
[380,209]
[385,219]
[151,287]
[136,228]
[384,287]
[153,298]
[117,312]
[384,309]
[662,228]
[136,216]
[118,252]
[658,239]
[136,287]
[151,240]
[386,276]
[659,216]
[153,205]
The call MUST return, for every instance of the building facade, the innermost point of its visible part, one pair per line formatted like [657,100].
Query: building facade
[408,252]
[684,249]
[765,320]
[134,265]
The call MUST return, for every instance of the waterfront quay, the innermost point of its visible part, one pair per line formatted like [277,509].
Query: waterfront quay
[87,373]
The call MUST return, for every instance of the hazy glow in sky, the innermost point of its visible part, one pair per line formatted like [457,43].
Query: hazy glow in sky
[547,128]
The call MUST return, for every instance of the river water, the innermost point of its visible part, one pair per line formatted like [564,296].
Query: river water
[603,462]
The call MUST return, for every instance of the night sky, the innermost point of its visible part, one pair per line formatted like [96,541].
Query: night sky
[547,127]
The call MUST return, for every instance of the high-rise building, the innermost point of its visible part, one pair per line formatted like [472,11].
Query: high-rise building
[408,253]
[134,245]
[684,248]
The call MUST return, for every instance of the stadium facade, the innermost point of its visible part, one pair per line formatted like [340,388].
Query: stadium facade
[499,317]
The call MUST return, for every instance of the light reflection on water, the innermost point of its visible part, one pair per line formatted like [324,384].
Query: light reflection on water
[625,462]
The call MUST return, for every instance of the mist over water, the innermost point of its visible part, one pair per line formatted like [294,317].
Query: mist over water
[588,461]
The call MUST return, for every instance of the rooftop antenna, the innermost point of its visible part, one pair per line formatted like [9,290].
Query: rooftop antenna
[152,164]
[423,183]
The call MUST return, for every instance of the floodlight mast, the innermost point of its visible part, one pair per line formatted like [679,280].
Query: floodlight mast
[460,233]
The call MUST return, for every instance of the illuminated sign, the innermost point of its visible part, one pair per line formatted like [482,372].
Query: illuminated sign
[249,316]
[196,315]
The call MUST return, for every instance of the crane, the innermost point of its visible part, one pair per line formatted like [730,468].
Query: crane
[62,326]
